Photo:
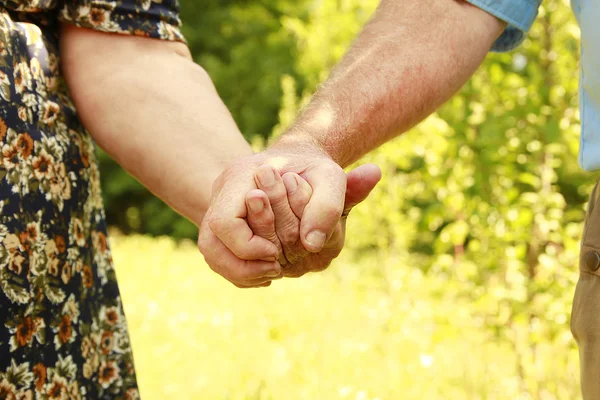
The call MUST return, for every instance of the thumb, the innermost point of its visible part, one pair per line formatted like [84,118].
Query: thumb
[324,209]
[360,183]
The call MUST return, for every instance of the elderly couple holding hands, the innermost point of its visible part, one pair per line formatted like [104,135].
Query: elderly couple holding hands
[119,71]
[282,212]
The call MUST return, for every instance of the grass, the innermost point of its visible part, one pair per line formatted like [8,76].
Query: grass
[337,335]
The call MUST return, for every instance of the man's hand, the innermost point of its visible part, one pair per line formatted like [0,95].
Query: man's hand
[230,246]
[267,205]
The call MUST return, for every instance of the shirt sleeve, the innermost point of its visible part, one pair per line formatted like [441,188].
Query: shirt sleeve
[157,19]
[519,16]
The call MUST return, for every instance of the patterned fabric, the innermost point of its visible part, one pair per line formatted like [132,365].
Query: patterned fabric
[63,333]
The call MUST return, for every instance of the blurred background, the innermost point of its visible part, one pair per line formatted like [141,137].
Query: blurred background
[457,279]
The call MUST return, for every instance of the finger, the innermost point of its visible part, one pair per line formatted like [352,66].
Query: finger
[298,192]
[323,211]
[221,260]
[226,217]
[237,236]
[316,263]
[287,225]
[261,219]
[360,182]
[267,284]
[336,241]
[262,281]
[295,271]
[227,220]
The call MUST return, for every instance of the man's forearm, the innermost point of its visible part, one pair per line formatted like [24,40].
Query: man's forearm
[156,112]
[409,59]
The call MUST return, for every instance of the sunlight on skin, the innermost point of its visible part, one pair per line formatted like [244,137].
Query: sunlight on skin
[278,162]
[323,119]
[320,123]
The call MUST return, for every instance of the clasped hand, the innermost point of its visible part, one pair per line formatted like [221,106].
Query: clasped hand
[280,213]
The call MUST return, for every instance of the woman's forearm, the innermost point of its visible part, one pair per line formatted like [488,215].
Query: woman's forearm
[154,111]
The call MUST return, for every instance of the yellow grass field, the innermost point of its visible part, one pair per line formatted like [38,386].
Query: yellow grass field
[336,335]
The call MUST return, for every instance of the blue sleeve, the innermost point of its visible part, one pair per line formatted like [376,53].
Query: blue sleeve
[518,14]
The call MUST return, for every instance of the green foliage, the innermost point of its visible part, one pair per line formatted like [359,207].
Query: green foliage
[246,49]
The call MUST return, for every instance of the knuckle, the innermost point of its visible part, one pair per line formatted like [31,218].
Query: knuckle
[301,196]
[241,252]
[289,235]
[202,246]
[262,226]
[218,268]
[271,237]
[277,195]
[217,225]
[243,273]
[283,215]
[235,279]
[267,219]
[214,268]
[203,235]
[333,211]
[278,277]
[244,251]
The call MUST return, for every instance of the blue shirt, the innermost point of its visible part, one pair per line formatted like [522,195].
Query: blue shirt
[519,16]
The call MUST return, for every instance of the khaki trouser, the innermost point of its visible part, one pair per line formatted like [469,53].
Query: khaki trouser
[585,319]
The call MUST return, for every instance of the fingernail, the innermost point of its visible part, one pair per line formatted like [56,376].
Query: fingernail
[316,239]
[256,205]
[290,182]
[266,176]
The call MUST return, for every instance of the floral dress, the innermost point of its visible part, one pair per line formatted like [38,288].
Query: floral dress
[63,333]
